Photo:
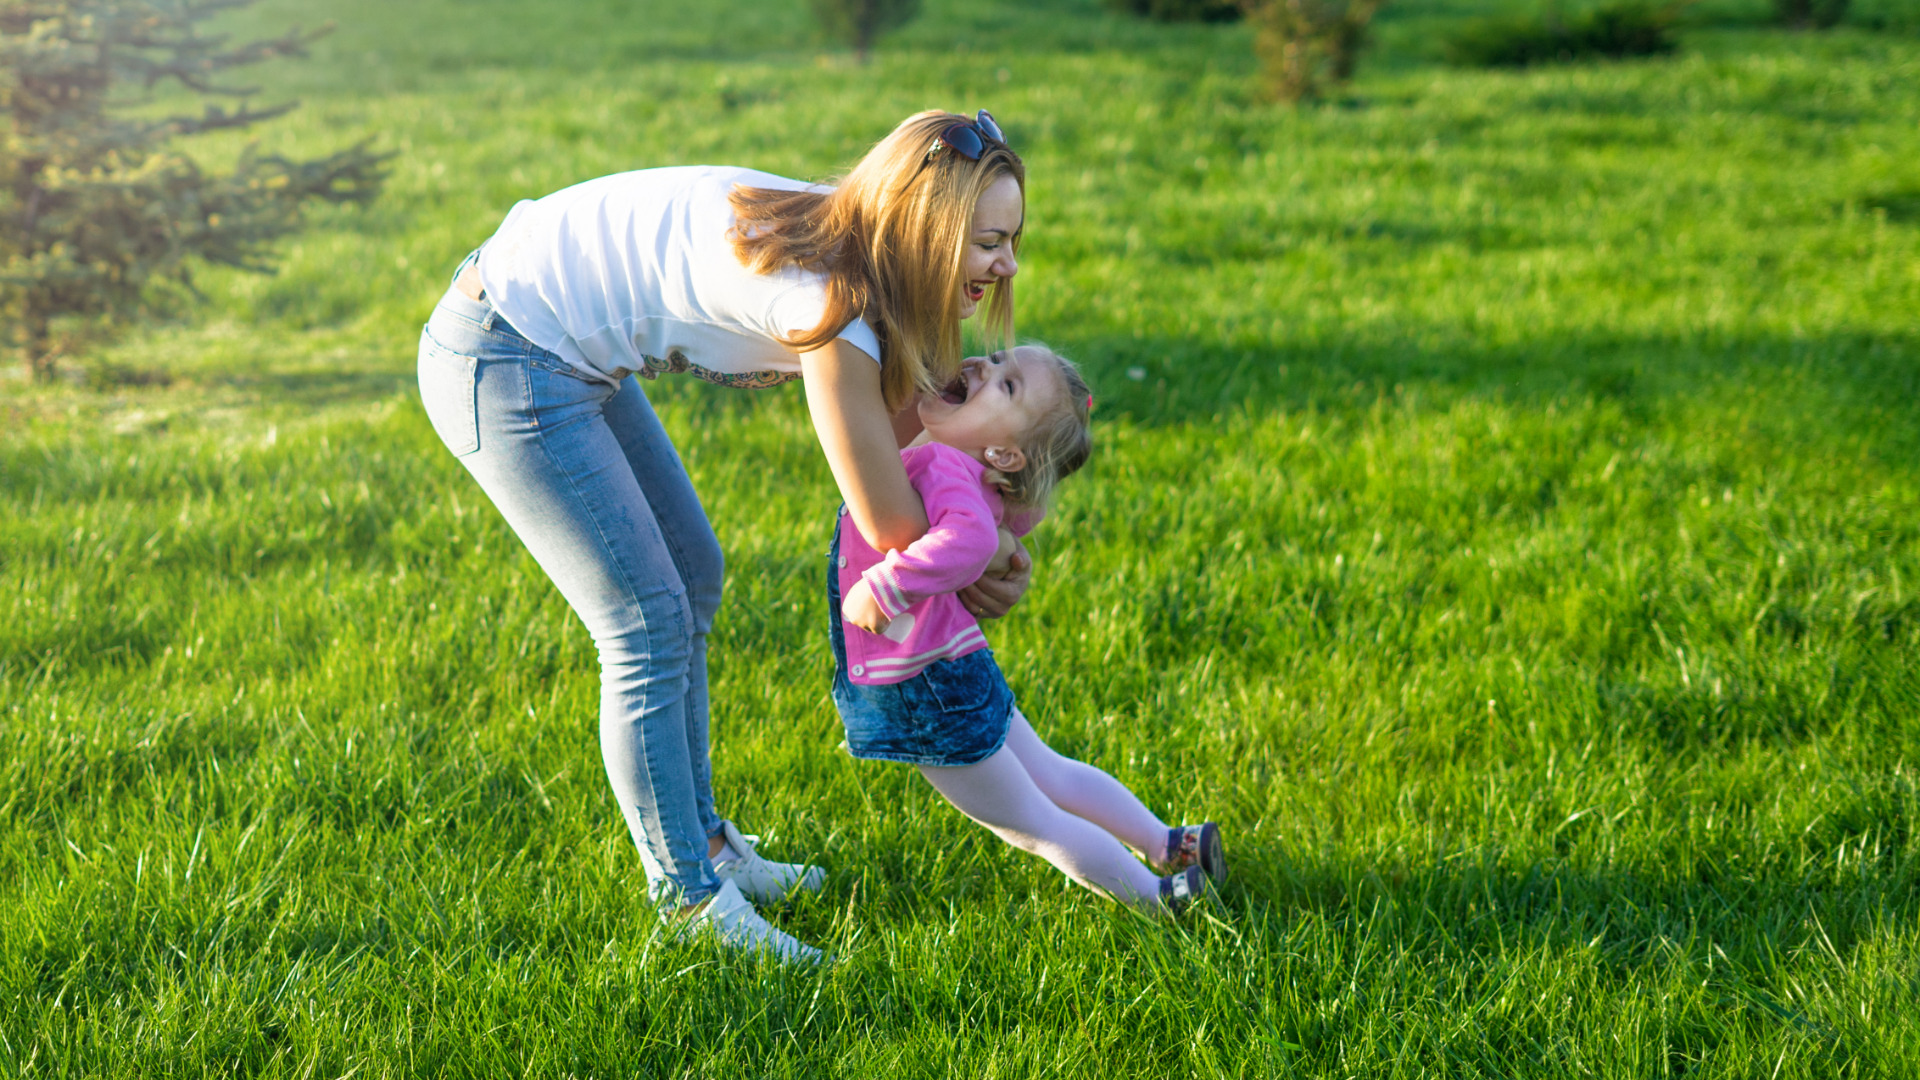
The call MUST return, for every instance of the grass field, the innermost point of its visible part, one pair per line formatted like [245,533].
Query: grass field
[1506,523]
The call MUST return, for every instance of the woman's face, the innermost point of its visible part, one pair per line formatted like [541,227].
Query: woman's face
[989,258]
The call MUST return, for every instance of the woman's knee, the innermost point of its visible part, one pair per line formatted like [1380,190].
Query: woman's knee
[703,573]
[653,638]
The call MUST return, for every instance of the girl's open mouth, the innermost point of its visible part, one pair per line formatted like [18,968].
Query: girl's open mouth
[975,291]
[955,392]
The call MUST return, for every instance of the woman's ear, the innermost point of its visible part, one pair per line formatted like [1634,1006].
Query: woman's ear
[1008,459]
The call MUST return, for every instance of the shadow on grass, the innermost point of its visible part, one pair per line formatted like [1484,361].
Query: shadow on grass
[1742,919]
[313,389]
[1161,381]
[1901,206]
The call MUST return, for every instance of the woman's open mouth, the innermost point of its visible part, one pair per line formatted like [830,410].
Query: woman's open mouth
[975,291]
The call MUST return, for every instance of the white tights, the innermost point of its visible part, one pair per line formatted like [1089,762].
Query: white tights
[1065,811]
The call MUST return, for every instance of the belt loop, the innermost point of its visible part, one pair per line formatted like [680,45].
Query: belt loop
[492,317]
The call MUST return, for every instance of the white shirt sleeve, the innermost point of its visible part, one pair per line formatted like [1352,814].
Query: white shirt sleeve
[798,309]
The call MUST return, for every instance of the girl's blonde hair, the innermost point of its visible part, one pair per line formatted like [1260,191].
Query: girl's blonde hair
[891,238]
[1057,445]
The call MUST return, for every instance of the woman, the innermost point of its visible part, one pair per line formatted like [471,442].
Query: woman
[745,279]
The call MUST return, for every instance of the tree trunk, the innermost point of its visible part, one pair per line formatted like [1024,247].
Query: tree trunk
[39,346]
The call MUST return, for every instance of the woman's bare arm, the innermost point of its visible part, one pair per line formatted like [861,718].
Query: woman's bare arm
[862,444]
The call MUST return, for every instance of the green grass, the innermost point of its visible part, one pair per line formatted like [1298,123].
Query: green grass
[1506,522]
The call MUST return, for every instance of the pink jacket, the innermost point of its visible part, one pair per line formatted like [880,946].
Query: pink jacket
[915,587]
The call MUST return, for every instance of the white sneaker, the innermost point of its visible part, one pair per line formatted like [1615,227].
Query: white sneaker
[762,880]
[729,917]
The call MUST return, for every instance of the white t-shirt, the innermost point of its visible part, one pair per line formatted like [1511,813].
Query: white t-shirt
[635,272]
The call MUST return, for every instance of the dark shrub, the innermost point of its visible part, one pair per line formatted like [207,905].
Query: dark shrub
[1623,28]
[1212,11]
[1810,14]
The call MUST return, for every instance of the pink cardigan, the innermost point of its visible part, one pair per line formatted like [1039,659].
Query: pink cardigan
[915,587]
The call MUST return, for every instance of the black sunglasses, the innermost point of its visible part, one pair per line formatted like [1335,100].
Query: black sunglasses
[968,138]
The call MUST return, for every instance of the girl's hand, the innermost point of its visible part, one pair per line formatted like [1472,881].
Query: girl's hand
[860,609]
[995,593]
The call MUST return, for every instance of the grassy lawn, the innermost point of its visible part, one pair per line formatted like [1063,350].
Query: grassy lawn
[1506,522]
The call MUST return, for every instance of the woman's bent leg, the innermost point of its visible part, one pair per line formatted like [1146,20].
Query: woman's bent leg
[1085,791]
[696,557]
[999,794]
[544,452]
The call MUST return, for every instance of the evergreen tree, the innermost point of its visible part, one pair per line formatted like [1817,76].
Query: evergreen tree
[95,208]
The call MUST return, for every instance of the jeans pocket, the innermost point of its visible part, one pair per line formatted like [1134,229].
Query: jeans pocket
[447,391]
[963,685]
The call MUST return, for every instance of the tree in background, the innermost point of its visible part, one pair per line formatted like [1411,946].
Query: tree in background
[1306,44]
[860,23]
[95,209]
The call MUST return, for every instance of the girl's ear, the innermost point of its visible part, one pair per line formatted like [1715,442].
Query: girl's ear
[1008,459]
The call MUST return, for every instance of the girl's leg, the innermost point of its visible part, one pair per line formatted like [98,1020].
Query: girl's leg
[1084,791]
[542,445]
[999,794]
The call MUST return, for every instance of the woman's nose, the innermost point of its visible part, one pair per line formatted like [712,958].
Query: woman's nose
[1007,265]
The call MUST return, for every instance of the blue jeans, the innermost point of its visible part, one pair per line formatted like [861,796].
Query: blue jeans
[584,475]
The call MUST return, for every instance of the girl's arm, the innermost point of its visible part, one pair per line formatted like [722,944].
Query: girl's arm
[959,544]
[862,445]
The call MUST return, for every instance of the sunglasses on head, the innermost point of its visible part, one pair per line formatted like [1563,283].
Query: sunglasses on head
[968,138]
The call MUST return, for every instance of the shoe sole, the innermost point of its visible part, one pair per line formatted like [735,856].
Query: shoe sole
[1213,853]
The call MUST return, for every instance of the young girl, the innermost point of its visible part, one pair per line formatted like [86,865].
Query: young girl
[914,680]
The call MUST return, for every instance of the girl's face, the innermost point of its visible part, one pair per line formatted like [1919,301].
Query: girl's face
[989,258]
[989,409]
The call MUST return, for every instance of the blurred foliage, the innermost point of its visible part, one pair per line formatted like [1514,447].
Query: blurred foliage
[1204,11]
[1811,14]
[860,23]
[94,208]
[1305,45]
[1623,28]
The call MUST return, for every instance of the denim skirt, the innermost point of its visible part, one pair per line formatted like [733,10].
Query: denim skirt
[954,712]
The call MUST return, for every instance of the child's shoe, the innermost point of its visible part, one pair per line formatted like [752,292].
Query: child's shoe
[1179,891]
[1197,845]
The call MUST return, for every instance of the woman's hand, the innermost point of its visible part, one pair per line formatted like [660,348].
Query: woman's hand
[860,609]
[1004,583]
[1003,556]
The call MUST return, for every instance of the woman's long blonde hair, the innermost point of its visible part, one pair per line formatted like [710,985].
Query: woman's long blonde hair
[891,238]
